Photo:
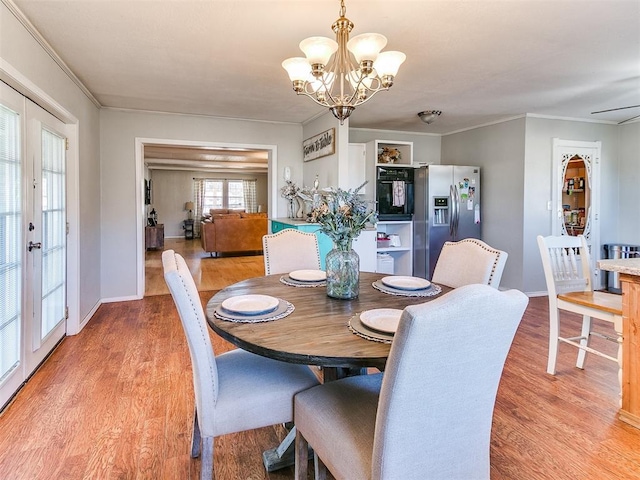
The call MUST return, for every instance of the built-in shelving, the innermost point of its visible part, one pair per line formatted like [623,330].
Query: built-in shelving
[375,147]
[403,253]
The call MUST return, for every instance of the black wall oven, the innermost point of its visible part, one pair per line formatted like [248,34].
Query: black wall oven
[394,193]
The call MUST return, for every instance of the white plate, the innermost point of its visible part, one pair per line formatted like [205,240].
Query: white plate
[382,319]
[308,275]
[250,304]
[406,283]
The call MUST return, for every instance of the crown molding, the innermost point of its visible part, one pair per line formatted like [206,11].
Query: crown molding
[205,115]
[49,49]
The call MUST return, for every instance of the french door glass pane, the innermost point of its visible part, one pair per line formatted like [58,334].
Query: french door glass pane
[53,231]
[10,239]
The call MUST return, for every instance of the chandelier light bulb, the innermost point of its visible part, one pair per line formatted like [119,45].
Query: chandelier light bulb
[298,68]
[388,63]
[367,46]
[318,49]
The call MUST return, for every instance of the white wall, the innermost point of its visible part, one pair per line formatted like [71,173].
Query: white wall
[499,152]
[173,188]
[538,174]
[629,184]
[118,131]
[21,52]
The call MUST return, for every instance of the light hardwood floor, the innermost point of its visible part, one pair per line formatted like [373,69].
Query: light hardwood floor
[210,273]
[116,402]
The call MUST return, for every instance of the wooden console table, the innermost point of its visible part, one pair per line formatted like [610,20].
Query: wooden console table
[629,270]
[154,236]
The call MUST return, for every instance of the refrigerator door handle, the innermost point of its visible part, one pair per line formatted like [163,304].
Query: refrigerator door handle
[452,200]
[457,204]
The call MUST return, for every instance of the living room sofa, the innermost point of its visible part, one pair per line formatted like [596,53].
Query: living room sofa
[224,231]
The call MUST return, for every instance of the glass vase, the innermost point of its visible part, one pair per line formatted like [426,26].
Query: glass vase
[291,213]
[343,272]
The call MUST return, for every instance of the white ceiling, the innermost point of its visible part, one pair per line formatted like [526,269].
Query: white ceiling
[478,61]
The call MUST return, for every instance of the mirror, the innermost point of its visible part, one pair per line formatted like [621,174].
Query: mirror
[576,195]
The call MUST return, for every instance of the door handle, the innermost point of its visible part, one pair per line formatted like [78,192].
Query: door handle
[34,245]
[452,214]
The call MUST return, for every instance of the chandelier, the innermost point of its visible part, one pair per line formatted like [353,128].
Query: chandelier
[330,76]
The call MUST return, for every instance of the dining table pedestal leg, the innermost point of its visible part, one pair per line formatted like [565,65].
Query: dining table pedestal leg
[284,454]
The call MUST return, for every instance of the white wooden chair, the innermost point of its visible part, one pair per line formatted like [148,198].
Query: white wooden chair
[469,261]
[236,390]
[567,271]
[429,415]
[290,250]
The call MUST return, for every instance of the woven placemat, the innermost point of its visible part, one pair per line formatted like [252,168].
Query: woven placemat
[356,326]
[427,292]
[287,280]
[283,309]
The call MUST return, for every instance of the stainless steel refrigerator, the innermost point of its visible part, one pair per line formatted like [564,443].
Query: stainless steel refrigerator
[447,208]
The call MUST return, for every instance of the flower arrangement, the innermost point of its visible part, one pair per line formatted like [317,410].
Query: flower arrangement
[342,215]
[290,190]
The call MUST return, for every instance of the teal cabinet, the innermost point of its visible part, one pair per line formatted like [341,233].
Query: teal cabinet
[324,242]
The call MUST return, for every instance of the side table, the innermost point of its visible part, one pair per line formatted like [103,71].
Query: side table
[154,236]
[188,229]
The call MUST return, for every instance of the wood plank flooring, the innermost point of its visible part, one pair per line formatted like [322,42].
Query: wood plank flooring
[210,273]
[116,402]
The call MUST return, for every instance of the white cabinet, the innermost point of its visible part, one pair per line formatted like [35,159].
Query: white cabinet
[402,253]
[365,246]
[356,169]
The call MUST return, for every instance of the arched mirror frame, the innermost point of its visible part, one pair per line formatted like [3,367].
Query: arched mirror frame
[574,189]
[564,152]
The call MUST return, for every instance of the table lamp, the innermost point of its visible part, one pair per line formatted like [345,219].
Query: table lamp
[189,206]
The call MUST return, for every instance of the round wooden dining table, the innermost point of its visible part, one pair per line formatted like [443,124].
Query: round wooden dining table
[317,331]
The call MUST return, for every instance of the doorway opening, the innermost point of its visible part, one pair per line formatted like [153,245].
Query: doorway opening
[220,158]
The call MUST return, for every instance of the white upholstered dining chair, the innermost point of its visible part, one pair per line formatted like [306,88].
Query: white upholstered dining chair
[429,415]
[469,261]
[289,250]
[236,390]
[567,271]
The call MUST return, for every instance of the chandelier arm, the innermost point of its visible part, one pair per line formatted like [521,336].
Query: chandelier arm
[369,97]
[313,97]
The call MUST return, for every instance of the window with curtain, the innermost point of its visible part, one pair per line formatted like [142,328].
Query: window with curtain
[223,193]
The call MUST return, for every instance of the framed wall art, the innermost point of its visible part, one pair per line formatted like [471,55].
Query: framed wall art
[319,145]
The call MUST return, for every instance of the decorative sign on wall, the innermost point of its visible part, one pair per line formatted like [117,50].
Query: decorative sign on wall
[319,146]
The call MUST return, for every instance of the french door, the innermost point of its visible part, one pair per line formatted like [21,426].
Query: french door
[32,237]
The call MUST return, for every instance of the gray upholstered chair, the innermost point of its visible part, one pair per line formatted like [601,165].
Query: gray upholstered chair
[289,250]
[469,261]
[234,391]
[429,415]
